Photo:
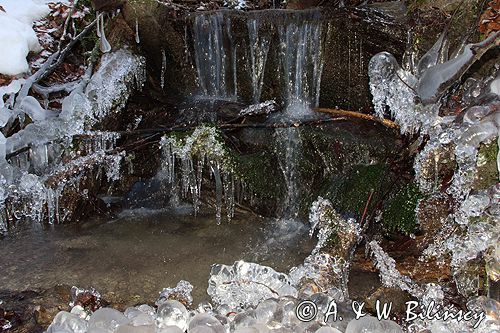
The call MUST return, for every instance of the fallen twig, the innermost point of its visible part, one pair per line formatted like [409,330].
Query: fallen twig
[51,64]
[359,115]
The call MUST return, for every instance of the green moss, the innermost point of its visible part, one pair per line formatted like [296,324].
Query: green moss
[399,214]
[350,194]
[487,169]
[261,173]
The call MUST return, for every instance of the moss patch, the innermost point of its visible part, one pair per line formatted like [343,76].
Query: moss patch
[399,215]
[350,194]
[261,173]
[487,169]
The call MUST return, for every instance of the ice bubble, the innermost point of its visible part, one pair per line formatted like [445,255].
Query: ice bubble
[107,318]
[141,315]
[201,329]
[147,309]
[364,324]
[98,330]
[132,312]
[371,324]
[244,319]
[203,322]
[246,330]
[142,319]
[79,311]
[266,310]
[172,313]
[288,314]
[136,329]
[169,329]
[327,329]
[65,321]
[261,328]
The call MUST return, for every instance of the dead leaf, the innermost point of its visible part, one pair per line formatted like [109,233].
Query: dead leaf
[490,19]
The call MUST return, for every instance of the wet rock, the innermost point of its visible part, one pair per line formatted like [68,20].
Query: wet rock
[170,53]
[487,169]
[432,213]
[33,311]
[385,295]
[89,299]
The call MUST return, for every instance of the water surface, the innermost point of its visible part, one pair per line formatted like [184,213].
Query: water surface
[140,253]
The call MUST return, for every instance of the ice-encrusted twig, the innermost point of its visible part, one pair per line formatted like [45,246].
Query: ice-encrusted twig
[51,64]
[389,275]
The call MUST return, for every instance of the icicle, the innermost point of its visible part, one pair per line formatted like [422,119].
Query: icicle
[163,68]
[137,38]
[103,42]
[218,192]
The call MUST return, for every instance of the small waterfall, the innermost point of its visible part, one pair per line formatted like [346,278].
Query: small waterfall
[295,39]
[215,56]
[301,62]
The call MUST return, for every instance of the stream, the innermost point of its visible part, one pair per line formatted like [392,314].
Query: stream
[143,251]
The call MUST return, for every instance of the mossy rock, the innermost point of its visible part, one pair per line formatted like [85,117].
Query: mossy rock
[399,214]
[261,173]
[349,194]
[487,168]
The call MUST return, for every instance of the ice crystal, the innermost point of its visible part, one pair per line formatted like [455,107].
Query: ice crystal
[181,292]
[389,275]
[246,284]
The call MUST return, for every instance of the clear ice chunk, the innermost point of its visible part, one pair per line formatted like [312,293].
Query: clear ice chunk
[203,322]
[65,321]
[107,318]
[172,313]
[246,284]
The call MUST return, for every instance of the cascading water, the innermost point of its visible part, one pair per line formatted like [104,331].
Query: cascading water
[301,53]
[298,48]
[215,56]
[259,48]
[301,63]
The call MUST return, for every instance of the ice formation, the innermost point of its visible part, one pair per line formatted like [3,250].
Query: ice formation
[329,223]
[246,284]
[181,292]
[389,274]
[192,153]
[260,108]
[471,230]
[35,176]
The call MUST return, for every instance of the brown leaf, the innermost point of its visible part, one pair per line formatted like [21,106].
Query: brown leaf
[495,5]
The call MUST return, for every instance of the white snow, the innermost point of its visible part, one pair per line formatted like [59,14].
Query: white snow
[17,37]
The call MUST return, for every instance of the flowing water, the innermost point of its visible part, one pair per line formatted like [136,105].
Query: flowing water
[142,252]
[299,47]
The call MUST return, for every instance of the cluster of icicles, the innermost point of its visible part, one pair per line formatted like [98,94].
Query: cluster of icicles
[192,154]
[217,57]
[55,150]
[413,95]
